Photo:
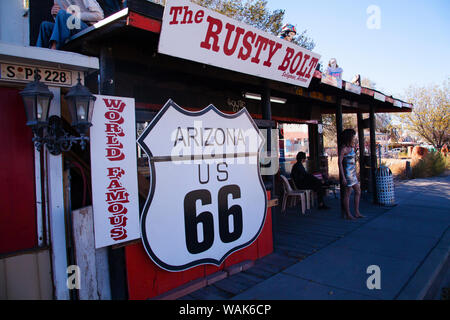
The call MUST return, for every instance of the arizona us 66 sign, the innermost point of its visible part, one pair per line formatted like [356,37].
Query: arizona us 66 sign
[206,198]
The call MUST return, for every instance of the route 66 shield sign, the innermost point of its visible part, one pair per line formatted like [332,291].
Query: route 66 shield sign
[207,199]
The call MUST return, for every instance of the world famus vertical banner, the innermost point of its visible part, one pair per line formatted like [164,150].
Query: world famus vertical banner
[198,34]
[114,171]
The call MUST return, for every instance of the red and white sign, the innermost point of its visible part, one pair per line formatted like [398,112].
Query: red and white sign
[195,33]
[114,171]
[379,96]
[332,81]
[352,88]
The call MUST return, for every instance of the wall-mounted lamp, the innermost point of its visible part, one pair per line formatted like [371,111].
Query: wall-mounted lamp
[256,96]
[49,131]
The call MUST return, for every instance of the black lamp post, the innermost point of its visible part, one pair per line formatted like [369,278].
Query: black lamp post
[81,104]
[49,131]
[36,99]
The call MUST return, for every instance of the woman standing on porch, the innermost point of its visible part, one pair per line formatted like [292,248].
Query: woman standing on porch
[347,170]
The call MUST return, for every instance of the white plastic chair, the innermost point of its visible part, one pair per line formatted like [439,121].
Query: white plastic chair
[310,195]
[289,192]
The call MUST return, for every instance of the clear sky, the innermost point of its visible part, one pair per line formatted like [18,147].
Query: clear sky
[410,47]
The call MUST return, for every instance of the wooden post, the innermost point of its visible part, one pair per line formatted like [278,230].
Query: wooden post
[314,155]
[107,70]
[320,140]
[267,115]
[362,173]
[373,153]
[116,257]
[57,223]
[93,263]
[339,130]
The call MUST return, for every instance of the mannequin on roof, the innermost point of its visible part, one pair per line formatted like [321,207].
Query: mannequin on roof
[333,69]
[288,32]
[357,80]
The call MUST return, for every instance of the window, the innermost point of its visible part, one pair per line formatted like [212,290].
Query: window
[293,139]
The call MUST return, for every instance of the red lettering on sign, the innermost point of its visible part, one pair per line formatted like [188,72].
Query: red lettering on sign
[114,116]
[112,141]
[118,221]
[114,154]
[117,208]
[302,70]
[239,33]
[115,184]
[117,196]
[312,66]
[118,234]
[116,105]
[287,59]
[115,173]
[247,45]
[298,57]
[187,15]
[199,16]
[274,47]
[214,29]
[237,42]
[114,128]
[175,11]
[261,42]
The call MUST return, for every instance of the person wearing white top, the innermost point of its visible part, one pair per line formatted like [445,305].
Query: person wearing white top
[334,70]
[71,16]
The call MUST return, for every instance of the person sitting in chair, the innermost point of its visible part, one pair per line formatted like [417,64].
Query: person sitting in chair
[306,181]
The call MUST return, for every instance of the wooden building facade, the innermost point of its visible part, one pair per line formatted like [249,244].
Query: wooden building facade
[124,47]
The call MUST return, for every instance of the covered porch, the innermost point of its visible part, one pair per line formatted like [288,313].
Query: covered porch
[296,237]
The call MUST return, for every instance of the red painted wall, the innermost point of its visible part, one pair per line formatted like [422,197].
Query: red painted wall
[17,192]
[146,280]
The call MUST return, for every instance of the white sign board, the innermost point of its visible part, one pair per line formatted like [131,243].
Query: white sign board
[207,199]
[114,171]
[352,88]
[332,81]
[53,77]
[379,97]
[195,33]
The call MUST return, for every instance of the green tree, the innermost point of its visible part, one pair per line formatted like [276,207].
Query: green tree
[256,14]
[430,117]
[349,121]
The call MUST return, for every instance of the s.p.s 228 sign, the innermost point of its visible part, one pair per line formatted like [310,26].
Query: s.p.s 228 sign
[195,33]
[206,196]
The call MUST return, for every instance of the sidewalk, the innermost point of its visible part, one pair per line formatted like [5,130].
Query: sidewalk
[321,256]
[410,243]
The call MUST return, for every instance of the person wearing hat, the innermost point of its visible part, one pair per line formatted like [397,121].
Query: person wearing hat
[306,181]
[288,32]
